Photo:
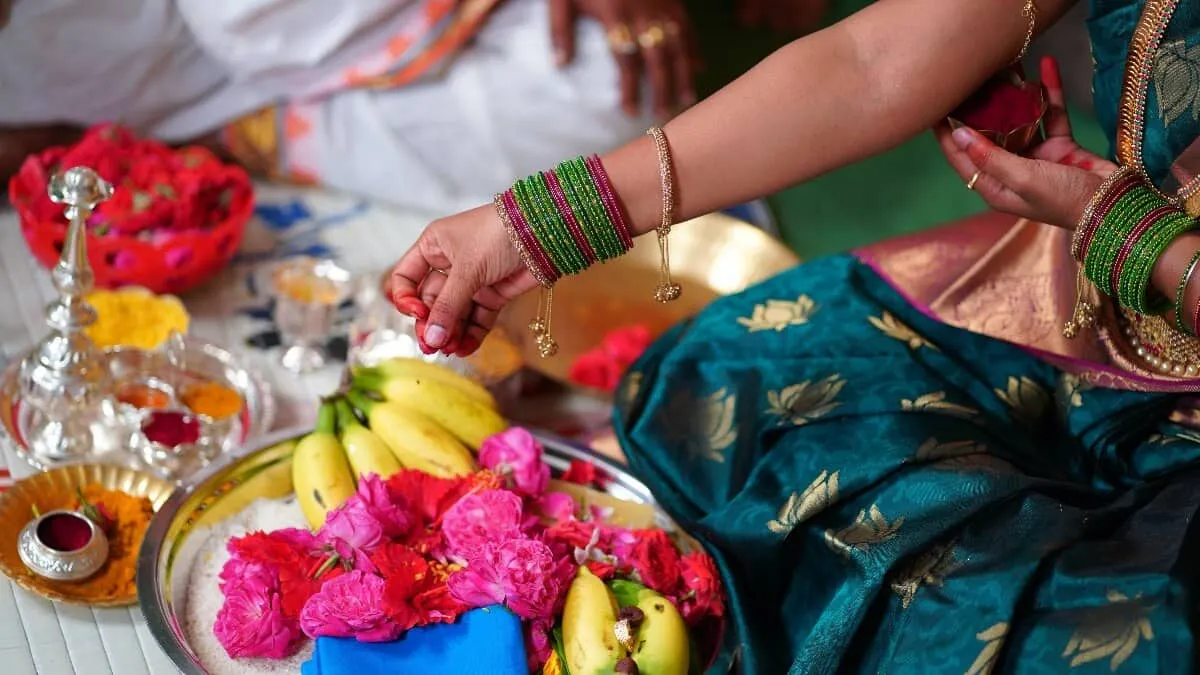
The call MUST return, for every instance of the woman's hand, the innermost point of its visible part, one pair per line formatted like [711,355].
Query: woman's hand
[793,17]
[1052,185]
[651,36]
[455,280]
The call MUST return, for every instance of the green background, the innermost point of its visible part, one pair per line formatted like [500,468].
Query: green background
[905,190]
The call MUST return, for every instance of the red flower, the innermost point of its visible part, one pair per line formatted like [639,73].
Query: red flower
[573,533]
[415,591]
[602,569]
[602,367]
[656,561]
[584,473]
[701,596]
[428,497]
[626,345]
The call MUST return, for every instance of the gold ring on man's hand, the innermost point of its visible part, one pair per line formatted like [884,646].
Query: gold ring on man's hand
[621,41]
[974,179]
[652,37]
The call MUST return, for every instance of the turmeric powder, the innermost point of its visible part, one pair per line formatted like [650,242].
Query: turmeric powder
[135,317]
[128,517]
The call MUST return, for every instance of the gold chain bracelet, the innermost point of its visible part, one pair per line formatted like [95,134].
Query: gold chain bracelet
[667,289]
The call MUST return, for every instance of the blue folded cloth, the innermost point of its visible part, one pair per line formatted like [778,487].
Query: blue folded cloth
[485,641]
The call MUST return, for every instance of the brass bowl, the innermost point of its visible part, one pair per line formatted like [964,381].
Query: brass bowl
[51,489]
[711,256]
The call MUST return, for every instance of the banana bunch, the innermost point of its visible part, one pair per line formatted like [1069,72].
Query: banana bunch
[418,415]
[456,403]
[635,630]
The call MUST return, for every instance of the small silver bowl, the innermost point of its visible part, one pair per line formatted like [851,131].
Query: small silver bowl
[60,560]
[174,462]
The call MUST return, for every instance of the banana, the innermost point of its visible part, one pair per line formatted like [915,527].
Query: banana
[415,369]
[320,472]
[663,646]
[269,478]
[417,441]
[590,644]
[470,421]
[368,454]
[552,666]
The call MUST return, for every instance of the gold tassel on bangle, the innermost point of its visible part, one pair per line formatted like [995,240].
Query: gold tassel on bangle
[667,289]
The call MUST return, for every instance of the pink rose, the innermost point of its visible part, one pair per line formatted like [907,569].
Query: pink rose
[557,506]
[516,455]
[350,605]
[373,493]
[538,645]
[250,623]
[482,517]
[518,573]
[353,533]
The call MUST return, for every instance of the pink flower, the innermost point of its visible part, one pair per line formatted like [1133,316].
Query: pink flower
[353,533]
[301,538]
[373,493]
[539,643]
[516,455]
[350,605]
[518,573]
[250,622]
[481,517]
[557,506]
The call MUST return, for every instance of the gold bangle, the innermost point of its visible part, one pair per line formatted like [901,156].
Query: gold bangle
[1029,11]
[667,289]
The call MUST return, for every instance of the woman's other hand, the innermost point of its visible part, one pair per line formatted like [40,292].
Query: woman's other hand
[791,17]
[1053,184]
[456,278]
[651,37]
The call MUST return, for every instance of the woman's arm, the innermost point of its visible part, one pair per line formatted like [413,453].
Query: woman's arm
[860,87]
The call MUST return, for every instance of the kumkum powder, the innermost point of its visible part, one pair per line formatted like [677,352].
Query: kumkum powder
[171,428]
[1005,104]
[64,532]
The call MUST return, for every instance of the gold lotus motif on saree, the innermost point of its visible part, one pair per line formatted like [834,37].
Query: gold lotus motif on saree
[806,401]
[801,506]
[1027,400]
[897,329]
[936,402]
[928,569]
[992,639]
[871,528]
[778,315]
[1112,634]
[960,457]
[703,425]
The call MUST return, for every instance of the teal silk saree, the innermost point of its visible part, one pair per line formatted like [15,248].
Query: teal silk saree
[891,484]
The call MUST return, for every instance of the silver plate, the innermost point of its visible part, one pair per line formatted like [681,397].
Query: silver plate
[198,359]
[168,551]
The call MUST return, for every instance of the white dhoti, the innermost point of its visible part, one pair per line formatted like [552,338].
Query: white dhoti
[179,70]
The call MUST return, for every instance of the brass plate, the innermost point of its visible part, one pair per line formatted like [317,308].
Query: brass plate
[711,256]
[54,487]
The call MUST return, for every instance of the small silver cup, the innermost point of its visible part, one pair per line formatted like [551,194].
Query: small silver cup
[52,559]
[307,293]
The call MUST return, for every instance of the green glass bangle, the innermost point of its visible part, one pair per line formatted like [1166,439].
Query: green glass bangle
[1181,292]
[596,223]
[555,220]
[556,244]
[1112,231]
[1145,256]
[1134,214]
[583,215]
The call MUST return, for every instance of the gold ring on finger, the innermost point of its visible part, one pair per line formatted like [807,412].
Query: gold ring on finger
[974,179]
[621,41]
[652,37]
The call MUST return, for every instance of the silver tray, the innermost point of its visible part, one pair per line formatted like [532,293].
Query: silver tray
[114,446]
[168,551]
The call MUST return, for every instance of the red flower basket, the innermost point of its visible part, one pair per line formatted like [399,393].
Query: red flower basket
[176,217]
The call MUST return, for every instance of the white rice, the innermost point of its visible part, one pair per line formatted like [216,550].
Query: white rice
[204,597]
